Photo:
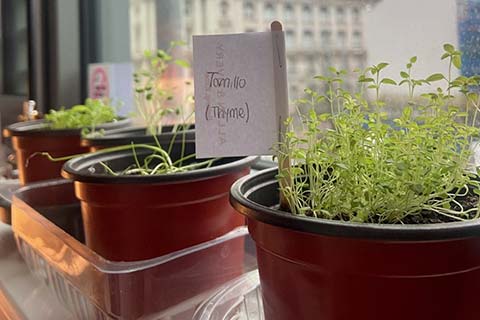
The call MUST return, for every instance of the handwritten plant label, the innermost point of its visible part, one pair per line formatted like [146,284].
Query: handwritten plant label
[238,79]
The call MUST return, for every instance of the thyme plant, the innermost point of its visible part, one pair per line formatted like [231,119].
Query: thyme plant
[352,164]
[152,99]
[86,116]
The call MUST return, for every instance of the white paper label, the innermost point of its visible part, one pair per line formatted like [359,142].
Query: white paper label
[236,79]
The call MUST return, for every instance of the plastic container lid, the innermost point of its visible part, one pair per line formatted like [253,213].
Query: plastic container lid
[240,299]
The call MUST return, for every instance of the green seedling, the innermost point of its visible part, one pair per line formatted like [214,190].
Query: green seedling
[353,164]
[87,116]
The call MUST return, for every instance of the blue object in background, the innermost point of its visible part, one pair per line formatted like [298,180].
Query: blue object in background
[469,35]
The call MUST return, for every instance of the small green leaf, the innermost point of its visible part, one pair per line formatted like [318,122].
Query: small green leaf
[457,61]
[177,43]
[449,48]
[388,81]
[409,65]
[381,65]
[364,79]
[445,55]
[472,96]
[413,59]
[147,53]
[435,77]
[182,63]
[404,75]
[321,78]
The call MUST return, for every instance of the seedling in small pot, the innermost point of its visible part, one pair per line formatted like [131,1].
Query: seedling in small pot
[365,169]
[155,87]
[87,116]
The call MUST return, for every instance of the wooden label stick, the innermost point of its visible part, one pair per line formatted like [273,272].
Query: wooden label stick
[281,100]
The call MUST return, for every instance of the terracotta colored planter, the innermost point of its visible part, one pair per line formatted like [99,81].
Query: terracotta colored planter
[330,270]
[34,136]
[124,136]
[128,218]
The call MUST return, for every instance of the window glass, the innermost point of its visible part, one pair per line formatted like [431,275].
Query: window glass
[342,39]
[357,39]
[367,31]
[356,15]
[326,38]
[289,12]
[341,14]
[13,48]
[307,13]
[269,11]
[289,39]
[249,10]
[308,38]
[324,14]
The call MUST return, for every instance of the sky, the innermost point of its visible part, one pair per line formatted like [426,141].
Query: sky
[395,30]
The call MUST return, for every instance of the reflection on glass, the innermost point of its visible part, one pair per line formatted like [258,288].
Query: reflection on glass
[308,38]
[324,14]
[224,6]
[289,11]
[342,39]
[340,15]
[356,15]
[326,38]
[305,36]
[307,13]
[289,39]
[13,48]
[357,39]
[269,11]
[248,10]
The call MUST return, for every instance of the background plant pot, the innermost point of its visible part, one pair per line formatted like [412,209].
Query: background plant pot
[125,136]
[34,136]
[130,218]
[331,270]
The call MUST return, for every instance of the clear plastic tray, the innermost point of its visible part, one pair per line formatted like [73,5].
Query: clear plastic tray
[48,230]
[7,188]
[240,299]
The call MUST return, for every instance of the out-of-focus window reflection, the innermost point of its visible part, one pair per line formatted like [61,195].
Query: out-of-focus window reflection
[346,34]
[269,11]
[249,10]
[13,48]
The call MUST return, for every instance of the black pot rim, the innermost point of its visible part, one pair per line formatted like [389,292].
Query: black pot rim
[123,136]
[40,128]
[241,189]
[74,169]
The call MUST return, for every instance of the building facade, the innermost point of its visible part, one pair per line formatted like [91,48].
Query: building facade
[318,33]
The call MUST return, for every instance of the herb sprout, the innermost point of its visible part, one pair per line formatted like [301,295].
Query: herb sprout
[363,168]
[154,98]
[87,116]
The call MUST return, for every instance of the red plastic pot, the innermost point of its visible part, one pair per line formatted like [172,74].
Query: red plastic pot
[314,269]
[128,218]
[34,136]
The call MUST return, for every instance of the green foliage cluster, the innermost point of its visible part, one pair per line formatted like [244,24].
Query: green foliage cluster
[353,164]
[86,116]
[152,100]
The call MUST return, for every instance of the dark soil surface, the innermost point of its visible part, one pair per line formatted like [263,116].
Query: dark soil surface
[469,201]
